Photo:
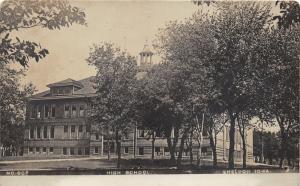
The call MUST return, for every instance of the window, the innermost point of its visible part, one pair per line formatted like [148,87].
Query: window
[45,133]
[80,128]
[60,91]
[141,133]
[74,111]
[38,132]
[33,112]
[126,150]
[96,150]
[51,149]
[31,133]
[67,111]
[72,128]
[157,150]
[54,91]
[141,151]
[71,151]
[81,110]
[47,111]
[87,151]
[52,132]
[79,151]
[186,151]
[204,151]
[66,128]
[53,111]
[37,149]
[166,149]
[39,112]
[30,149]
[44,149]
[227,133]
[64,151]
[97,136]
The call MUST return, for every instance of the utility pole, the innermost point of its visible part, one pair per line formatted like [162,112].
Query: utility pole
[2,152]
[262,142]
[0,136]
[134,141]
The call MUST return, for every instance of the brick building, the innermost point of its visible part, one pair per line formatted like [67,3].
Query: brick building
[57,125]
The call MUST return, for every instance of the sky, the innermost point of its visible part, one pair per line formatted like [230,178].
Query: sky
[128,24]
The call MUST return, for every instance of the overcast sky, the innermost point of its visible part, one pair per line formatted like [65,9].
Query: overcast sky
[128,24]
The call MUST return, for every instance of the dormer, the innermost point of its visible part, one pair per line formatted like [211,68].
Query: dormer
[65,87]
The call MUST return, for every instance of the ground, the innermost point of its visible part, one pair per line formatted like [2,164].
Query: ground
[92,165]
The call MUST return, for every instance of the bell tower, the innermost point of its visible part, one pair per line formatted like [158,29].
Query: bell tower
[146,57]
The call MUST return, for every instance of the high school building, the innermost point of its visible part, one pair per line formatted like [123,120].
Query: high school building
[57,125]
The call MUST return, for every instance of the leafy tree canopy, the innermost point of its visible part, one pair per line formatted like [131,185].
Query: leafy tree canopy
[16,15]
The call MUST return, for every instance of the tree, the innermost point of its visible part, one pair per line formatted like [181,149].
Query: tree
[157,98]
[147,110]
[113,106]
[12,104]
[220,55]
[275,43]
[238,35]
[16,15]
[271,145]
[281,80]
[185,46]
[244,124]
[290,14]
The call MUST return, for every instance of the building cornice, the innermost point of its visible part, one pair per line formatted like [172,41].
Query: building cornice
[73,96]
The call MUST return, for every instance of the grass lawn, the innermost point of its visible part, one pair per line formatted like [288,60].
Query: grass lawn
[17,158]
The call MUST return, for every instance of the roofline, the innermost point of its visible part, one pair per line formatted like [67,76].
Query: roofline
[146,52]
[64,84]
[74,96]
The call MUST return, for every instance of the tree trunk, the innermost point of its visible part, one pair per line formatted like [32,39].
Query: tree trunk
[241,126]
[283,141]
[181,148]
[172,145]
[171,149]
[134,141]
[231,138]
[191,148]
[153,148]
[198,155]
[180,153]
[214,150]
[108,150]
[200,139]
[244,152]
[282,149]
[118,149]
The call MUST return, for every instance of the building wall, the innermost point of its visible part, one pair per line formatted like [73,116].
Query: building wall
[92,143]
[223,145]
[62,138]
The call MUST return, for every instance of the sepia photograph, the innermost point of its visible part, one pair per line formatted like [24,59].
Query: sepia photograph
[149,87]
